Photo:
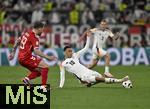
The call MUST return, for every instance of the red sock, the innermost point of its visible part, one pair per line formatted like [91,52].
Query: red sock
[44,73]
[33,75]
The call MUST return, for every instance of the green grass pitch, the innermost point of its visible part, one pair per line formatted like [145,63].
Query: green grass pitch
[100,96]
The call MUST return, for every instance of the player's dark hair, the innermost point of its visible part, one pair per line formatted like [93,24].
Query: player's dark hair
[103,20]
[66,47]
[38,25]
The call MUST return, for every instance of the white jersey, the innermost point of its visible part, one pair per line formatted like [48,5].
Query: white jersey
[73,65]
[100,37]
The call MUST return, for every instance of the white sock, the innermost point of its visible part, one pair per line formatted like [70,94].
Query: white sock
[113,80]
[27,78]
[43,88]
[106,69]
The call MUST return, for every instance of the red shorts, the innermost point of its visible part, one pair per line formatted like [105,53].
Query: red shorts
[30,63]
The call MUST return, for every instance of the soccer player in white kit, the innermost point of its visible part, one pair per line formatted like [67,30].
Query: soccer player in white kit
[85,75]
[100,36]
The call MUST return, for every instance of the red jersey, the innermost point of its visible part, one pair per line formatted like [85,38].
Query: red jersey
[29,41]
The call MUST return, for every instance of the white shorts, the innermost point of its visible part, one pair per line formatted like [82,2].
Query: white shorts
[98,52]
[90,76]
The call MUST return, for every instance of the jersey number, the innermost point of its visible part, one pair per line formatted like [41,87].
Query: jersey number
[23,42]
[72,62]
[102,38]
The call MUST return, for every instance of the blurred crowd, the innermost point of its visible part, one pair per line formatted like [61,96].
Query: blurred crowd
[75,12]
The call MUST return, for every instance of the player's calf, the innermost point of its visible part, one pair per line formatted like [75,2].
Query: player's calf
[44,74]
[44,71]
[114,80]
[108,75]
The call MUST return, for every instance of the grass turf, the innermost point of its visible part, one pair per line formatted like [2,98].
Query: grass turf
[104,96]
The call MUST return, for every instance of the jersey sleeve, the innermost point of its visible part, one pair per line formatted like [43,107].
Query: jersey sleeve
[62,75]
[35,42]
[78,54]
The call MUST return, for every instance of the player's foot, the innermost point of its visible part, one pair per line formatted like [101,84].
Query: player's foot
[92,84]
[27,82]
[125,78]
[108,75]
[89,85]
[45,88]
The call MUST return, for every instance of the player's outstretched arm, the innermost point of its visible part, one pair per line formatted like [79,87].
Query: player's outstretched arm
[40,53]
[83,36]
[17,42]
[86,47]
[62,76]
[86,33]
[114,35]
[117,35]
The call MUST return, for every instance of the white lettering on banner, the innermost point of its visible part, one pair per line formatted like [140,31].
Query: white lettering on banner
[127,56]
[74,40]
[58,29]
[2,51]
[118,56]
[71,29]
[48,38]
[65,39]
[53,41]
[54,53]
[124,56]
[135,39]
[141,57]
[5,37]
[148,31]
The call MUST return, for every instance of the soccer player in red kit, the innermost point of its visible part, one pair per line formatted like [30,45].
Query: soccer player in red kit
[28,43]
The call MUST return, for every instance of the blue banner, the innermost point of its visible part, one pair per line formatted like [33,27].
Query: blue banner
[119,56]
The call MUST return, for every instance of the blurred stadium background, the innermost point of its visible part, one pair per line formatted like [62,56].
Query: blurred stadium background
[66,21]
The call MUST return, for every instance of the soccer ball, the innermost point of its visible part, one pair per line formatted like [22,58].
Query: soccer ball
[127,84]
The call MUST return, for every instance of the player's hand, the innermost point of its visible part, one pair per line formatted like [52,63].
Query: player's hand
[51,58]
[89,34]
[79,40]
[84,35]
[11,55]
[118,35]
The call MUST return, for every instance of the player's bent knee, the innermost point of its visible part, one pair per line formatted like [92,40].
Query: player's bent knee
[98,79]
